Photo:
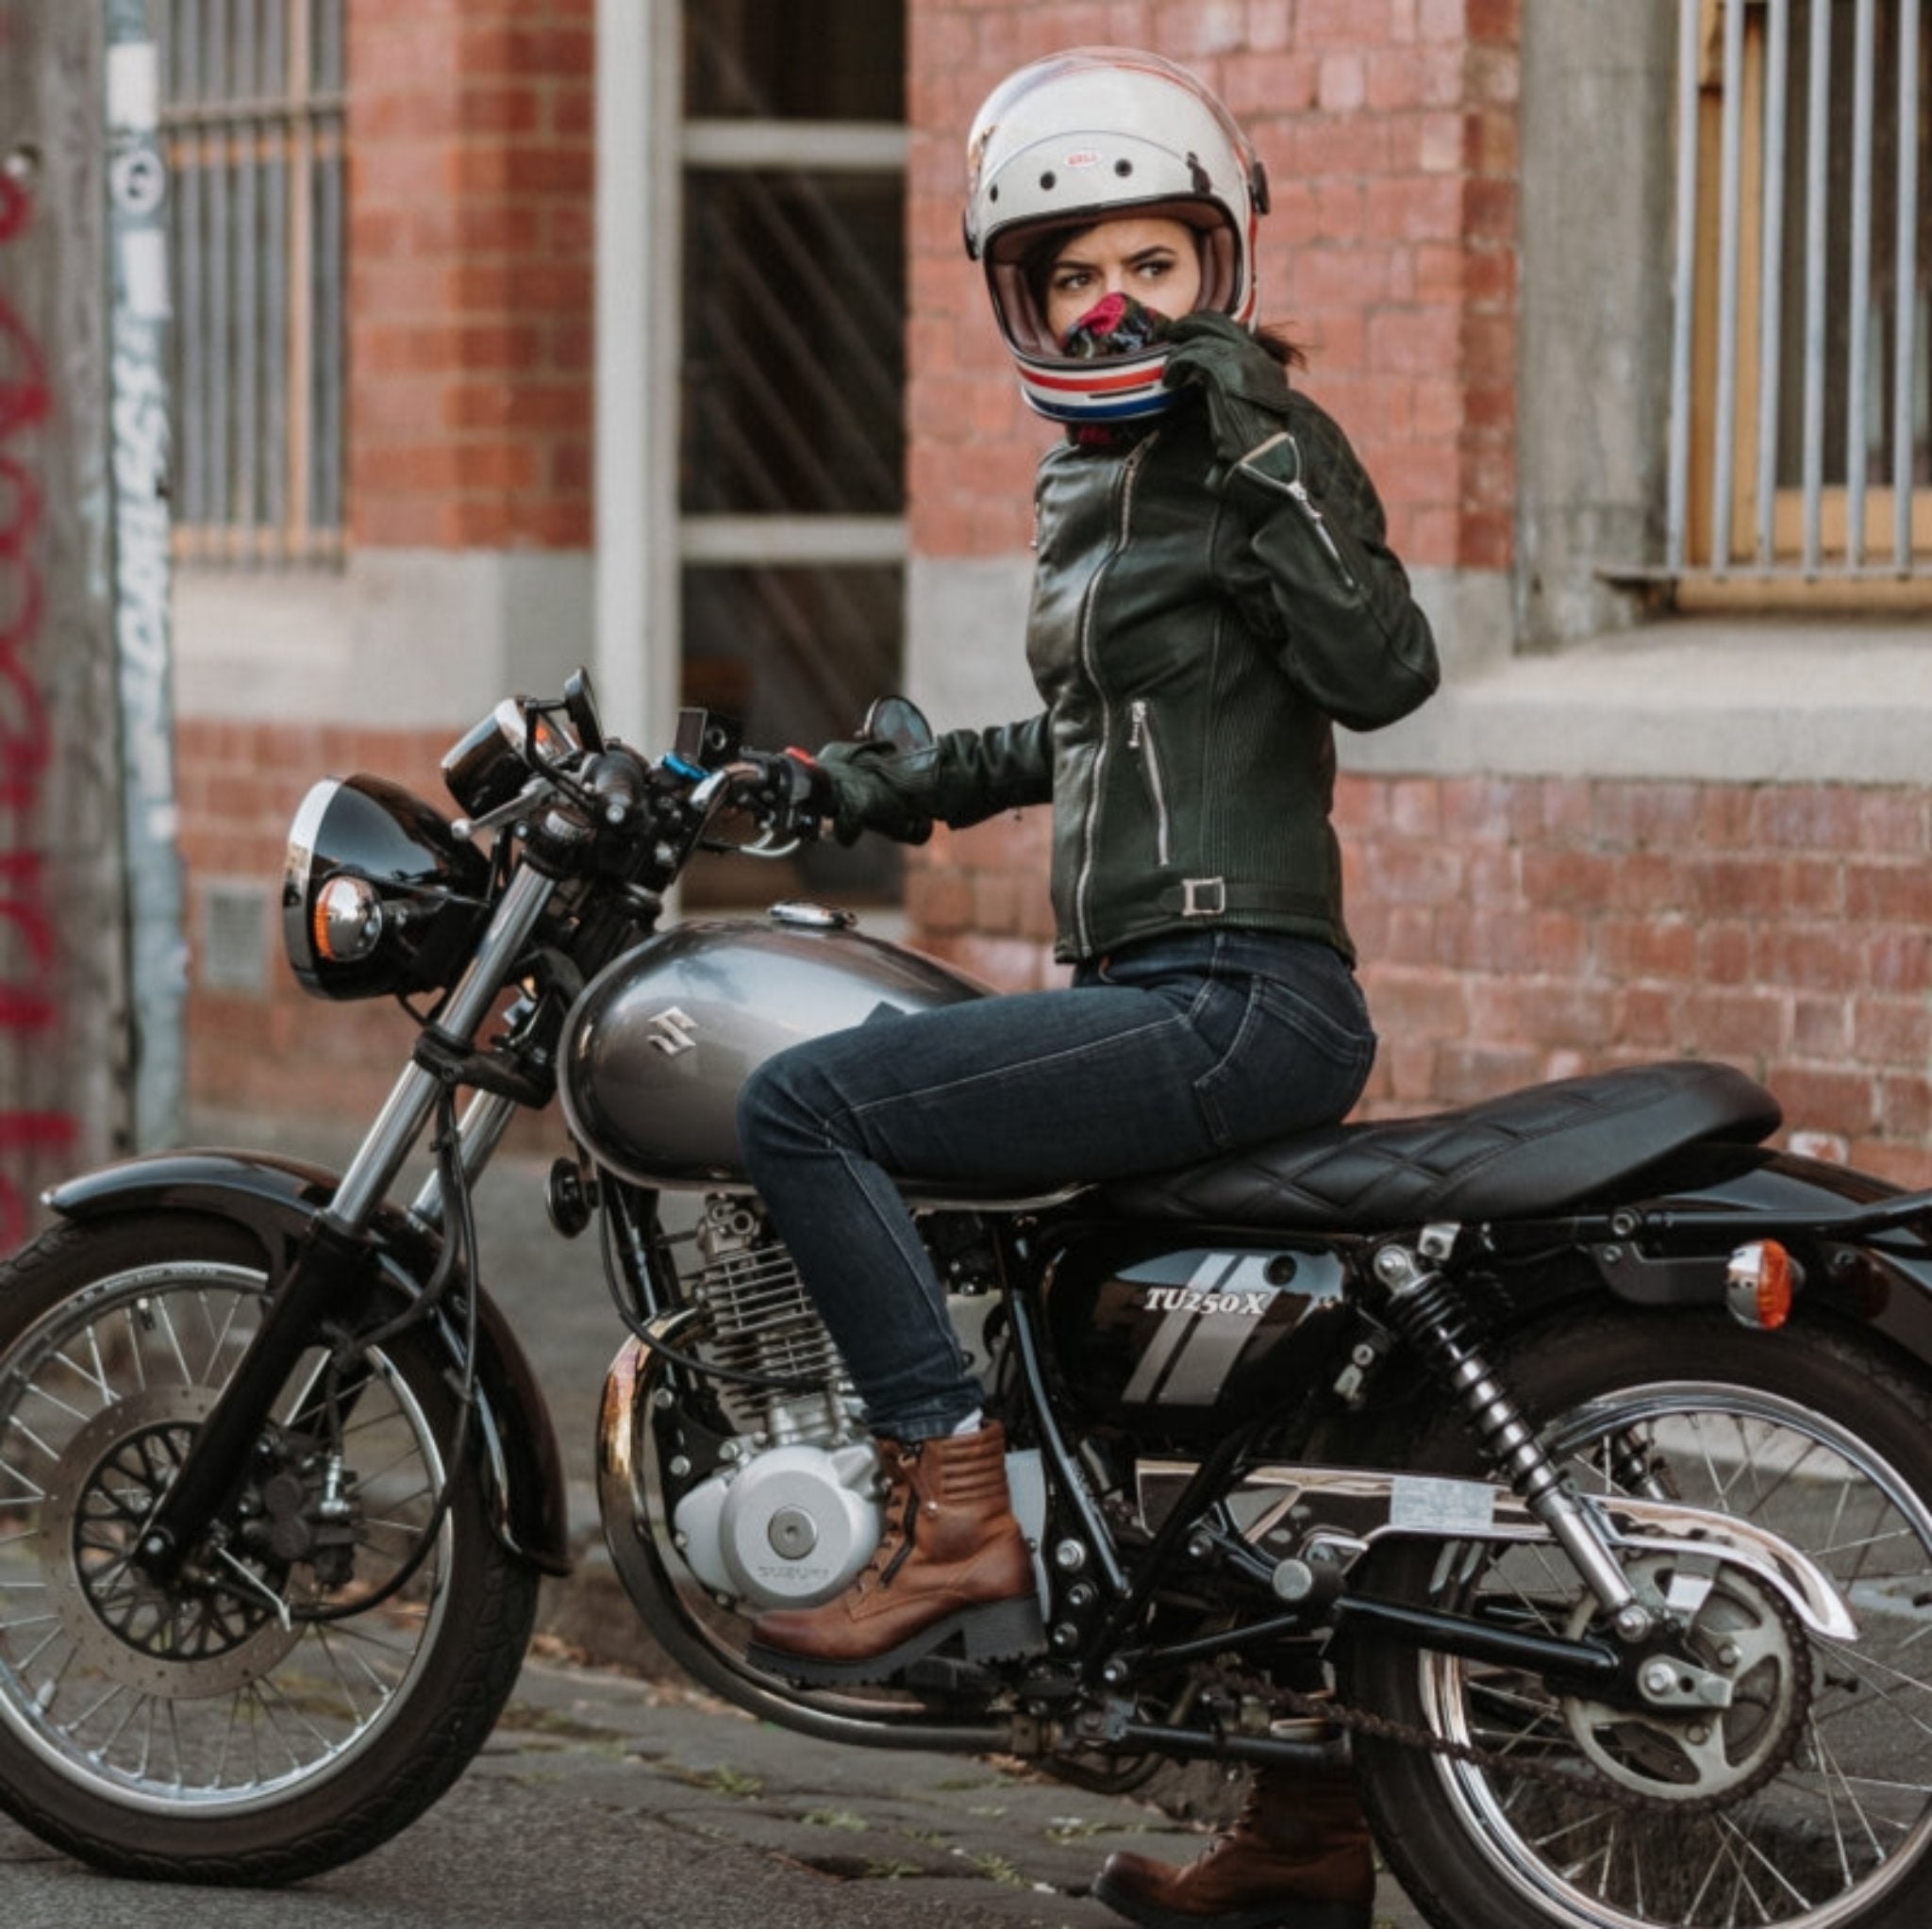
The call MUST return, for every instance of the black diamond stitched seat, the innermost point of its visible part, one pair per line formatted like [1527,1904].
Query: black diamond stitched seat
[1527,1154]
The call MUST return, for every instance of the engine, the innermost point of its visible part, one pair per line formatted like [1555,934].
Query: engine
[793,1514]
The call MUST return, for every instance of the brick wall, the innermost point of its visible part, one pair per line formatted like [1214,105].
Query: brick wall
[1512,930]
[1528,929]
[276,1050]
[471,162]
[1538,927]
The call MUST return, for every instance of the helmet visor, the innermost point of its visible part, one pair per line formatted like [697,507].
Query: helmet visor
[1021,260]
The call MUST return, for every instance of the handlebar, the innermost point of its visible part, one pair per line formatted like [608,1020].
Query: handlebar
[608,799]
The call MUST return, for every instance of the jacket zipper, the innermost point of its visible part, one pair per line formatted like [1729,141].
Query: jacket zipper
[1306,503]
[1090,834]
[1140,737]
[1297,491]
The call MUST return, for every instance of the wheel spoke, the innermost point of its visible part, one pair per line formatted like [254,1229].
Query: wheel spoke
[30,1489]
[1863,1661]
[1834,1782]
[220,1335]
[1748,1852]
[60,1406]
[324,1640]
[32,1439]
[136,1353]
[166,1320]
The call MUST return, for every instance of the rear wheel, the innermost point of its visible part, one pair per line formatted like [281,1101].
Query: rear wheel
[278,1710]
[1804,1805]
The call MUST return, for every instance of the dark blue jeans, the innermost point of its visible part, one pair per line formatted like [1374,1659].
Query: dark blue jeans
[1163,1055]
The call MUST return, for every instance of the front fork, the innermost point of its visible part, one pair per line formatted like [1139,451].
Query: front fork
[329,1264]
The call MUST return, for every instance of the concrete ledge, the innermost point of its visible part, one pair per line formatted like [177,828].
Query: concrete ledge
[1721,702]
[400,639]
[1764,701]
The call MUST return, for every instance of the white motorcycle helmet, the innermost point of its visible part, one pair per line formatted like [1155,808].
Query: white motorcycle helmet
[1081,137]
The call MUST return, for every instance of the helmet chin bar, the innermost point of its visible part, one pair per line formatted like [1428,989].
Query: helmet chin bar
[1115,388]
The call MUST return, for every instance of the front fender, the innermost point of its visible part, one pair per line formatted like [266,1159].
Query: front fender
[274,1199]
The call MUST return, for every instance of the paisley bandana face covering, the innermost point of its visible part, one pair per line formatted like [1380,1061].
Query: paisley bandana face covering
[1115,325]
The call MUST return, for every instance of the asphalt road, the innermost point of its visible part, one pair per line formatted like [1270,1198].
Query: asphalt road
[604,1801]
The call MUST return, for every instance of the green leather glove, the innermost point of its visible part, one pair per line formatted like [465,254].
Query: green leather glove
[1243,387]
[864,795]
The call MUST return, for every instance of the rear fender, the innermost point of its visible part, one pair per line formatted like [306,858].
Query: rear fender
[274,1200]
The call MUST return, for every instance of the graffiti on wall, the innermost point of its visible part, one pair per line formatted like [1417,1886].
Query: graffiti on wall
[137,197]
[29,1005]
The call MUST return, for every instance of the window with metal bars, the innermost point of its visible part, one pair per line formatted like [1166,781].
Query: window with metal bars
[1801,438]
[791,530]
[253,123]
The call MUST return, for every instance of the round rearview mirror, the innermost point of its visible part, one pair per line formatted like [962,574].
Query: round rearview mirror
[897,721]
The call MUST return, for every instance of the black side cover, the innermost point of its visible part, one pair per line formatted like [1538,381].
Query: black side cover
[1524,1156]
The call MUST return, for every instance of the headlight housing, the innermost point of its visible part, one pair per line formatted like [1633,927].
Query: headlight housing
[378,893]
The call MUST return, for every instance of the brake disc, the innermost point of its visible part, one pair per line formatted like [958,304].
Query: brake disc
[188,1641]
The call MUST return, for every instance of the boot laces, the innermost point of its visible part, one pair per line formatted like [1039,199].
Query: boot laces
[902,1552]
[896,1541]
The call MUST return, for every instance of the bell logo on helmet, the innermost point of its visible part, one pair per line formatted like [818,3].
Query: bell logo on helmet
[1082,158]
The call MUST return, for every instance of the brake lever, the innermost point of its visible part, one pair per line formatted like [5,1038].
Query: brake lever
[714,792]
[768,850]
[521,805]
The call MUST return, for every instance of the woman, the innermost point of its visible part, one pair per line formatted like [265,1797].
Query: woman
[1212,594]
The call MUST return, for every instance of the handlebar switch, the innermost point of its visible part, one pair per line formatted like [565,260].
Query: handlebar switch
[617,780]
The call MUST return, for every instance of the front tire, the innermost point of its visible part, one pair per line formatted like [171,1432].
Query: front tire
[1810,1807]
[253,1724]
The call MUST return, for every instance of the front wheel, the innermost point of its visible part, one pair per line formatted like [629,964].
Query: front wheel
[1804,1805]
[283,1707]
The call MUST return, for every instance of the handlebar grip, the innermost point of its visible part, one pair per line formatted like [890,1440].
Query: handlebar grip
[616,780]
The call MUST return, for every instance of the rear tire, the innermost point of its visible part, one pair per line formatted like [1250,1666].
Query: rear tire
[190,1735]
[1822,1768]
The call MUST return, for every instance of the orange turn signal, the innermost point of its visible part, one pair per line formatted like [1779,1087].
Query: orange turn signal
[1759,1284]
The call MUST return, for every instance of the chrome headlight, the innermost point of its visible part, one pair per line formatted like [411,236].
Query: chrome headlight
[378,893]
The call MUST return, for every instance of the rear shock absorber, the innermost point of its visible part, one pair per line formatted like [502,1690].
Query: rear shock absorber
[1423,1305]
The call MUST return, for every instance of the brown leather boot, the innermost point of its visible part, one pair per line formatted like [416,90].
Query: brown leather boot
[951,1564]
[1297,1859]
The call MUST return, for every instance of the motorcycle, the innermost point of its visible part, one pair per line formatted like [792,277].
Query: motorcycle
[1569,1455]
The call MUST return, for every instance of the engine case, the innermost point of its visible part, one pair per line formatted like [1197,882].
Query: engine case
[788,1530]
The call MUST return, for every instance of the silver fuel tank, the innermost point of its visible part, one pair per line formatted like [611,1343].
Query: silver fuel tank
[657,1050]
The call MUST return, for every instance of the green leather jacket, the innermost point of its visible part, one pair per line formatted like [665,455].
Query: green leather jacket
[1198,629]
